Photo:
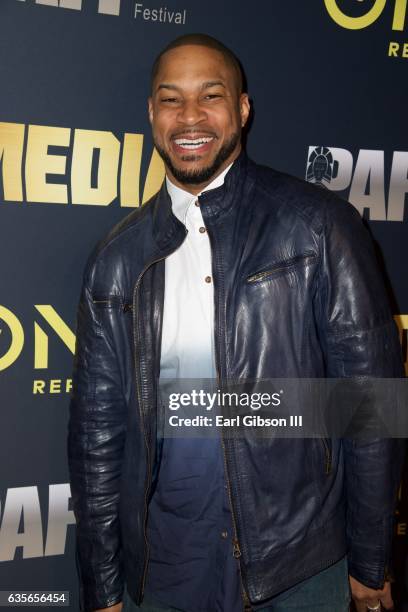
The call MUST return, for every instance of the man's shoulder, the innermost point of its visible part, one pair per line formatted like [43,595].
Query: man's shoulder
[125,240]
[296,197]
[128,228]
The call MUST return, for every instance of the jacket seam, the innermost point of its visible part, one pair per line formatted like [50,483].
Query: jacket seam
[302,213]
[340,334]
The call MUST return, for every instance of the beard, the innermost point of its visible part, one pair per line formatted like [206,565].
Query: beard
[202,175]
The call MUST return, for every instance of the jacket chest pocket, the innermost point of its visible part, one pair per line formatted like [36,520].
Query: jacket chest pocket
[281,268]
[113,313]
[114,302]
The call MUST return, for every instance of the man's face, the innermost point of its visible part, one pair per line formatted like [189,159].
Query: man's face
[197,115]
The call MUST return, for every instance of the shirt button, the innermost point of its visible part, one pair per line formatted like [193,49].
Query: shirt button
[202,230]
[208,279]
[224,535]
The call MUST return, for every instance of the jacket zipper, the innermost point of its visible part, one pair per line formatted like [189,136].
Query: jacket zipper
[115,300]
[236,549]
[112,300]
[328,455]
[136,329]
[262,275]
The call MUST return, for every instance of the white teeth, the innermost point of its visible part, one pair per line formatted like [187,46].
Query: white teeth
[192,144]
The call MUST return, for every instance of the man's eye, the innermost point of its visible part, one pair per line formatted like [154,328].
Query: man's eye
[169,100]
[212,96]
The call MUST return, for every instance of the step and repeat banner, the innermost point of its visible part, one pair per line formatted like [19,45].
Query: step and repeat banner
[328,82]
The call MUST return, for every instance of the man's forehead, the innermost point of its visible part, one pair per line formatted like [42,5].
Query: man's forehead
[197,60]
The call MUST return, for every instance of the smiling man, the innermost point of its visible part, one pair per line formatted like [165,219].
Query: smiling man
[231,272]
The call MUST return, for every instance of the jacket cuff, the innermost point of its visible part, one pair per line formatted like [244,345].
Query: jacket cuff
[372,578]
[90,604]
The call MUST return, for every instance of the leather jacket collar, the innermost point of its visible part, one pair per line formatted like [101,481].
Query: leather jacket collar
[167,228]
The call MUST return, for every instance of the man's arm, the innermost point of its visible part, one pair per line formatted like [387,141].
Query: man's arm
[360,339]
[95,446]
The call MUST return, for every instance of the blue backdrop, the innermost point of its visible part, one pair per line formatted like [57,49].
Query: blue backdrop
[328,83]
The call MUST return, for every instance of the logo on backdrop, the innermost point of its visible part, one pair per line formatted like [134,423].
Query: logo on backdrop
[107,7]
[48,324]
[370,180]
[97,160]
[320,166]
[159,14]
[23,517]
[371,12]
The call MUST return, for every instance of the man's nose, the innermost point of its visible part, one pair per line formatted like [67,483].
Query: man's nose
[191,113]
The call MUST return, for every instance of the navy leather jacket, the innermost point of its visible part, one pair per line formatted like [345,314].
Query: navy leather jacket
[297,294]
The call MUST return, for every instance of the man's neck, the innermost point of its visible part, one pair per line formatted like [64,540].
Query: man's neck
[197,189]
[181,195]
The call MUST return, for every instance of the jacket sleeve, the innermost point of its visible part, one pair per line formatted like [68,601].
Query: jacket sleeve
[95,446]
[360,340]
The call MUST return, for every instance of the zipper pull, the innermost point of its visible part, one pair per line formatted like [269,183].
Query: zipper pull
[246,602]
[236,551]
[127,307]
[328,465]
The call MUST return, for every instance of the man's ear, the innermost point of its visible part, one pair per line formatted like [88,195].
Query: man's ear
[150,109]
[244,108]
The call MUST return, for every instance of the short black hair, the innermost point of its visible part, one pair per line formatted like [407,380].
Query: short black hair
[203,40]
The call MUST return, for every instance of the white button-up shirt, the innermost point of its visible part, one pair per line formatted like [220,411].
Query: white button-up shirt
[187,349]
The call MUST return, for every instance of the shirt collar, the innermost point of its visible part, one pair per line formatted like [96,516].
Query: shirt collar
[181,199]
